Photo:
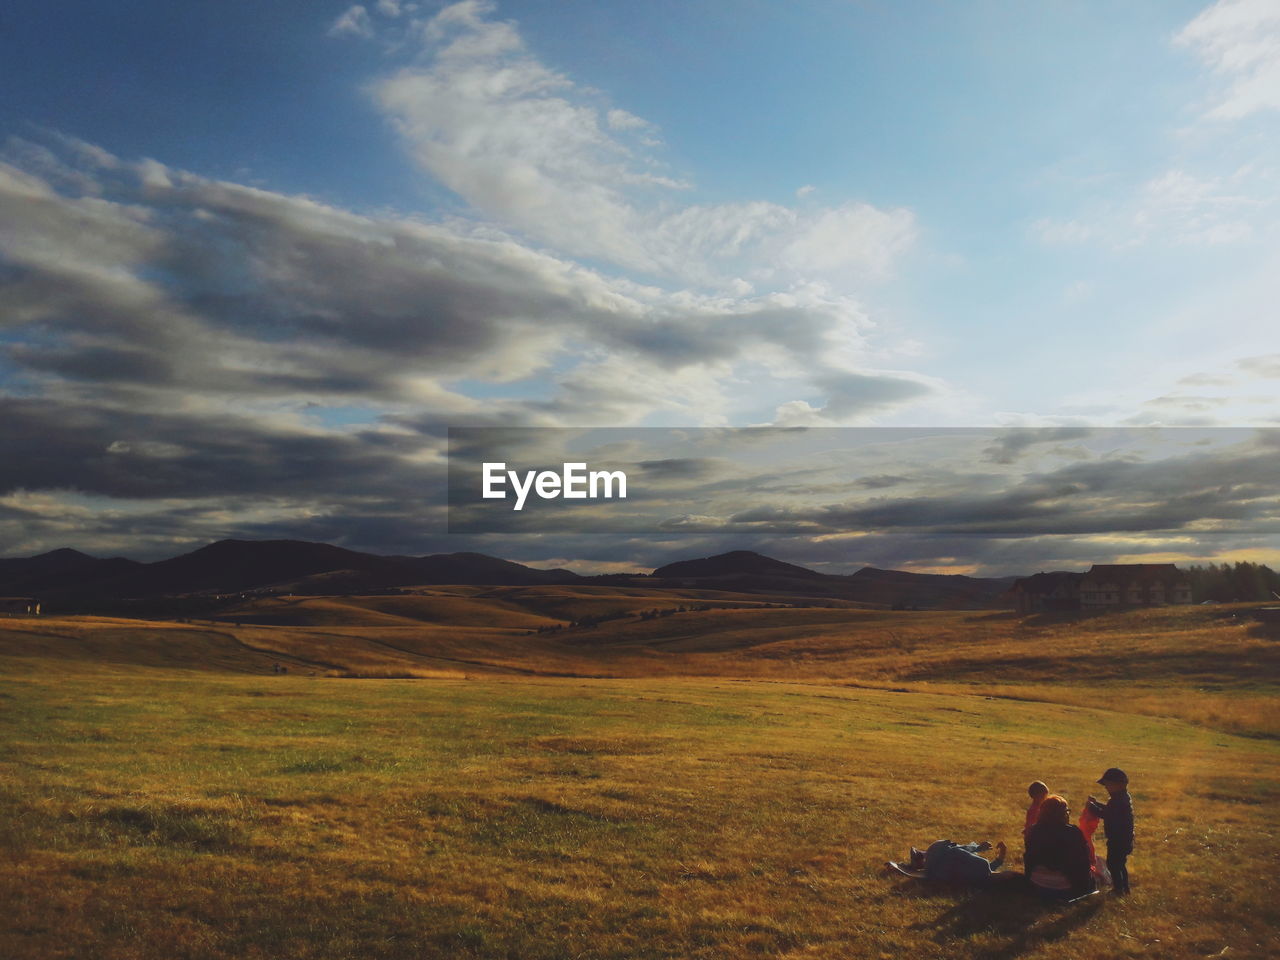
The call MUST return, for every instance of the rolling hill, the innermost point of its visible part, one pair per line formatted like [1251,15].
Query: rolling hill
[73,580]
[743,570]
[69,580]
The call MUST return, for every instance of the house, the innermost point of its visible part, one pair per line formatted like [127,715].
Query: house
[1059,590]
[1133,584]
[20,606]
[1104,585]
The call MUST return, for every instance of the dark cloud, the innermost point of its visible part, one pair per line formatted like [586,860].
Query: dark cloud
[114,453]
[1011,444]
[1106,496]
[849,394]
[178,354]
[684,468]
[879,481]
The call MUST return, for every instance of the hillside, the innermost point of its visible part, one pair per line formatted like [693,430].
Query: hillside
[723,780]
[58,571]
[70,581]
[736,563]
[744,570]
[215,815]
[951,591]
[1214,665]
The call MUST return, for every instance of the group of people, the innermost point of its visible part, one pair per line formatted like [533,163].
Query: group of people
[1059,859]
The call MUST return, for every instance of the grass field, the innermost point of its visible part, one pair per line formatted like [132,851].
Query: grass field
[714,783]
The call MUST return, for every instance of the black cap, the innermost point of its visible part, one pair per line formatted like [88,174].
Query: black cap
[1114,775]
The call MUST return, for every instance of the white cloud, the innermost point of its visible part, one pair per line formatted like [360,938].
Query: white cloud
[856,233]
[353,22]
[181,291]
[1265,367]
[1175,207]
[529,148]
[1219,188]
[1187,209]
[1240,41]
[622,120]
[1054,232]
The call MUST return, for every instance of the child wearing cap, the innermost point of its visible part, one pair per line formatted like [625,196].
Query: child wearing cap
[1117,823]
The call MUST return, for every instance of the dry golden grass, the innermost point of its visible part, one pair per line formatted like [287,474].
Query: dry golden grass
[156,813]
[1220,663]
[709,784]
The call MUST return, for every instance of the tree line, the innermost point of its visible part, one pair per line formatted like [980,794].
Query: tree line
[1229,582]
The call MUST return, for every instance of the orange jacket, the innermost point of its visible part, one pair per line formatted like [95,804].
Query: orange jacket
[1033,814]
[1088,824]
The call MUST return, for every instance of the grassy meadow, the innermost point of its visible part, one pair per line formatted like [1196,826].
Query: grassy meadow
[714,783]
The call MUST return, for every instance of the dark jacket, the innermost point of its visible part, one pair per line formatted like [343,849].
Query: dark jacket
[1060,847]
[951,862]
[1117,820]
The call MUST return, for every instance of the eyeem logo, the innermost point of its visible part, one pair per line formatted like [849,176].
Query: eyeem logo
[573,482]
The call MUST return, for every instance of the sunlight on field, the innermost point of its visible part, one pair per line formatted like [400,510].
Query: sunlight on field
[155,812]
[1217,666]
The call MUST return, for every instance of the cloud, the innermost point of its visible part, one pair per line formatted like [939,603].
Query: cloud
[162,278]
[827,493]
[622,120]
[1179,493]
[1176,207]
[354,22]
[173,338]
[684,469]
[1239,40]
[525,145]
[1219,188]
[879,481]
[852,393]
[226,358]
[1267,367]
[1011,444]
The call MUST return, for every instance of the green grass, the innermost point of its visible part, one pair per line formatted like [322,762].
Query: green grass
[167,813]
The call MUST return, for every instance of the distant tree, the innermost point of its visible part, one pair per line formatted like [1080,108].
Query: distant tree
[1225,583]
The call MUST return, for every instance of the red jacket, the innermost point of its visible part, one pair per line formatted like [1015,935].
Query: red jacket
[1033,814]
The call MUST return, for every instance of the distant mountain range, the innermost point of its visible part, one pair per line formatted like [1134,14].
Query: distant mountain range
[743,570]
[69,579]
[237,566]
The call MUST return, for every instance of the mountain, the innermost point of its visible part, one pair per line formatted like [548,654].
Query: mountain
[468,568]
[900,588]
[230,566]
[736,563]
[743,570]
[76,580]
[55,570]
[69,580]
[484,569]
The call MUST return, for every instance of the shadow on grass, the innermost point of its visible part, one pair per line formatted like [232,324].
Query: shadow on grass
[166,825]
[1053,618]
[1009,913]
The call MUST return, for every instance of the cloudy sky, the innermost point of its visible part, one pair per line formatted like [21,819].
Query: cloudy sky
[256,258]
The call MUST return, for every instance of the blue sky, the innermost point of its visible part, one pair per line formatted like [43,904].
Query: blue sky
[352,226]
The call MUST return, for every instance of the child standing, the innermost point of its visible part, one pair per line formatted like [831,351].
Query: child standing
[1117,823]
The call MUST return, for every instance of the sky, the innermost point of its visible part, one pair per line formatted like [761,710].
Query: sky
[257,258]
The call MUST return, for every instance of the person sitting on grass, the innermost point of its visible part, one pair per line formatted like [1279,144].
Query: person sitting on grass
[1057,861]
[948,862]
